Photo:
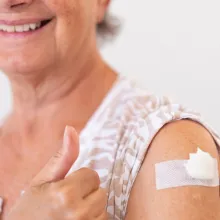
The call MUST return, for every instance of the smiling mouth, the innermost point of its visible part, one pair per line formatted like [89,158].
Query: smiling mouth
[24,28]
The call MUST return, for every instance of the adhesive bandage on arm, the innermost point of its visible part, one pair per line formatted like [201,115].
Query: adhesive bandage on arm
[200,170]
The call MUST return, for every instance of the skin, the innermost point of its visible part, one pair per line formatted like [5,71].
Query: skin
[52,196]
[54,76]
[51,89]
[175,141]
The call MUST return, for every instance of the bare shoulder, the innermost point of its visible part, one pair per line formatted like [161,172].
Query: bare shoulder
[179,138]
[174,142]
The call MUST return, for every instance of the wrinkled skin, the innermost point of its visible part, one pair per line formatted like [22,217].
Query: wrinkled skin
[70,34]
[44,70]
[53,197]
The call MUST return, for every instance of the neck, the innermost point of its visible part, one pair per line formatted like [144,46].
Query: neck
[69,96]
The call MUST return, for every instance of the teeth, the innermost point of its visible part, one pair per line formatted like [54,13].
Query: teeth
[26,27]
[10,29]
[20,28]
[38,24]
[4,27]
[33,26]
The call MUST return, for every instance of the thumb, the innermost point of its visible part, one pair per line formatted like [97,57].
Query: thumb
[59,165]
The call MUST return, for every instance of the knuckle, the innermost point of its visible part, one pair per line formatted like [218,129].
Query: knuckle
[84,215]
[103,194]
[91,174]
[55,158]
[41,187]
[84,170]
[96,178]
[58,155]
[34,189]
[79,215]
[60,196]
[105,216]
[63,199]
[54,187]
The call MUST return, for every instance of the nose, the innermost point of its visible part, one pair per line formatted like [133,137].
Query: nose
[6,5]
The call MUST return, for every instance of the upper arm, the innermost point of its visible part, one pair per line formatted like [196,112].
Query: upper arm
[174,142]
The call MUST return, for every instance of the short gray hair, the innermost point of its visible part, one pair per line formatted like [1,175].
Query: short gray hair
[108,28]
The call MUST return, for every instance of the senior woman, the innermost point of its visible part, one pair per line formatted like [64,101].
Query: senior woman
[49,52]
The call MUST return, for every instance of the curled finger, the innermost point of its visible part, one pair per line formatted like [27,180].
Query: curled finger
[97,202]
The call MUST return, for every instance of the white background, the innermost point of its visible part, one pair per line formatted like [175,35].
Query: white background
[171,47]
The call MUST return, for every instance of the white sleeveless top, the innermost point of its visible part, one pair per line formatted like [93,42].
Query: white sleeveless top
[116,139]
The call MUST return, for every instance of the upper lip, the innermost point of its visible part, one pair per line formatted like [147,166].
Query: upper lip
[22,21]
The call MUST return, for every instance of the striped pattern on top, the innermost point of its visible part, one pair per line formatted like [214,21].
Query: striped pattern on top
[116,139]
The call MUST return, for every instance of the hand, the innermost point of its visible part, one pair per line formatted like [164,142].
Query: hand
[52,196]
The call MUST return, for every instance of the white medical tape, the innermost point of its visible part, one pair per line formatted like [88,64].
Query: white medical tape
[174,173]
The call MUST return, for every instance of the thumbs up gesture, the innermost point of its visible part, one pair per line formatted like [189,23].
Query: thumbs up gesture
[54,196]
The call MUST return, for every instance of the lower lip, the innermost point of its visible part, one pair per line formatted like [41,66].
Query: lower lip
[22,34]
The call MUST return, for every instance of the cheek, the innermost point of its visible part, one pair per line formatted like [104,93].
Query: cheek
[73,13]
[75,21]
[71,9]
[72,31]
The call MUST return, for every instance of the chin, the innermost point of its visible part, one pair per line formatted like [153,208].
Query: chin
[19,68]
[24,64]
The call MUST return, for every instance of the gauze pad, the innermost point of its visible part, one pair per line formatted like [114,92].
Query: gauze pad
[200,170]
[201,165]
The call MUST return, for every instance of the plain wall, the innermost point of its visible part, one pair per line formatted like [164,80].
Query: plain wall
[171,47]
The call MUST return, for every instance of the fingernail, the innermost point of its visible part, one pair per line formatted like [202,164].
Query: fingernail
[66,137]
[69,135]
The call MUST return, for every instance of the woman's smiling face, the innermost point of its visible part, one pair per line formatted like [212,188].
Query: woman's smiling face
[38,34]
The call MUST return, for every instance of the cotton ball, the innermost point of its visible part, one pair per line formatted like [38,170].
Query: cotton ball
[201,165]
